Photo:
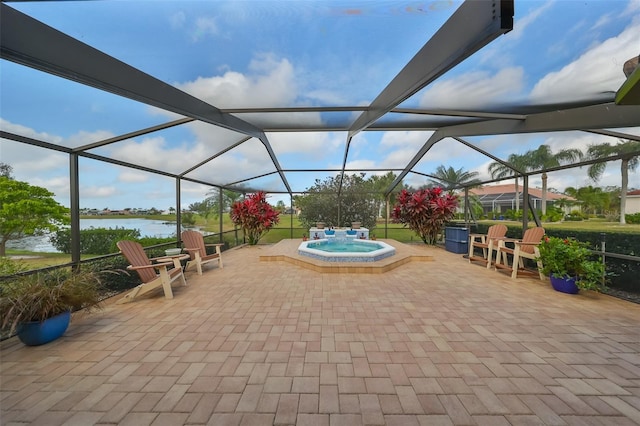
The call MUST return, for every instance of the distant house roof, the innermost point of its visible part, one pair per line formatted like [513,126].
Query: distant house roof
[508,190]
[634,193]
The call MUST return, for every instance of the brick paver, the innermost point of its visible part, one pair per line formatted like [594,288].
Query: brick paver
[437,342]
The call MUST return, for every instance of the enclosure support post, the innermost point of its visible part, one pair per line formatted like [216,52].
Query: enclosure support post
[534,213]
[74,195]
[525,203]
[220,214]
[178,214]
[386,216]
[466,208]
[603,247]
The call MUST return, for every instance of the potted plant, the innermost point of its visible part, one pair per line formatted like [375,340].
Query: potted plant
[38,306]
[569,265]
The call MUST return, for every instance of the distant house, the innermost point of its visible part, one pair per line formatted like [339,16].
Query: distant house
[633,202]
[500,198]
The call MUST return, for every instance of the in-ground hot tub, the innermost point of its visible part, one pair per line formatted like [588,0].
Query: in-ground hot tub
[346,250]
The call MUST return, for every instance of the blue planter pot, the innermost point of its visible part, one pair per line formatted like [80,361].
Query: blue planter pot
[38,333]
[564,285]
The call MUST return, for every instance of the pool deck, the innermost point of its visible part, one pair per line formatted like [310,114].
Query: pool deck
[287,251]
[439,342]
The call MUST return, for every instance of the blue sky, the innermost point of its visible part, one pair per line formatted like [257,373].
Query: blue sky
[280,54]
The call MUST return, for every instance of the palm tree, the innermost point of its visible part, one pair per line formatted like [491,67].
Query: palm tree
[630,156]
[593,199]
[543,158]
[379,185]
[499,171]
[449,178]
[212,201]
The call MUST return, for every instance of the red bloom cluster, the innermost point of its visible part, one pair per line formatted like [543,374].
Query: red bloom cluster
[255,216]
[424,211]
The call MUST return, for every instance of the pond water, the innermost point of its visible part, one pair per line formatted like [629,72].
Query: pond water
[147,228]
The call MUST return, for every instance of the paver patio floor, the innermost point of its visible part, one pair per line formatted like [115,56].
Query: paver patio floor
[260,343]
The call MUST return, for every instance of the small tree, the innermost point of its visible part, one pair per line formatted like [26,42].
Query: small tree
[424,211]
[255,216]
[6,170]
[27,210]
[338,201]
[203,208]
[188,218]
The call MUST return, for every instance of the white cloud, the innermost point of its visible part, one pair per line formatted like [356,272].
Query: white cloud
[196,29]
[572,140]
[204,26]
[83,137]
[475,89]
[178,20]
[405,139]
[597,70]
[154,152]
[604,20]
[361,164]
[58,185]
[319,145]
[90,192]
[328,97]
[28,161]
[248,160]
[21,130]
[520,25]
[497,55]
[448,151]
[272,83]
[398,159]
[632,7]
[131,176]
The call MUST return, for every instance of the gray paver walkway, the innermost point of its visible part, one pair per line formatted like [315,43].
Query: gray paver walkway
[262,343]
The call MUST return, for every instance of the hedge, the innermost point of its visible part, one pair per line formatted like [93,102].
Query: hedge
[94,240]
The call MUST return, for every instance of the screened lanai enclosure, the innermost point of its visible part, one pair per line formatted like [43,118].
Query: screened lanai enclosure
[140,104]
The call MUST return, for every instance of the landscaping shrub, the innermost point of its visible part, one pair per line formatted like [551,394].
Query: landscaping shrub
[255,216]
[10,266]
[154,241]
[94,240]
[574,216]
[612,217]
[632,218]
[188,219]
[554,214]
[425,211]
[118,279]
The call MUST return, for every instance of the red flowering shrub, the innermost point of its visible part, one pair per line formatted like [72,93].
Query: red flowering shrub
[424,211]
[255,216]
